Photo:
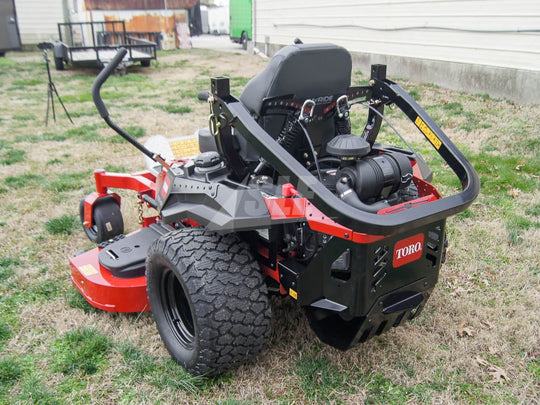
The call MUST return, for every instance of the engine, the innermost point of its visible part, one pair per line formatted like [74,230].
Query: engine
[370,180]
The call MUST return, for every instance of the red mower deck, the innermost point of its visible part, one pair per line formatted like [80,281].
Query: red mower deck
[104,291]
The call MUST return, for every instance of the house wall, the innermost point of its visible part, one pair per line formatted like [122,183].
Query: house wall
[38,19]
[488,46]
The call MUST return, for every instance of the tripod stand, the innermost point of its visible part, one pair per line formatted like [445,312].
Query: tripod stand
[50,90]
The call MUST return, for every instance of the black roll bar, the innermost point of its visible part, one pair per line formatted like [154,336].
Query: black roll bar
[233,113]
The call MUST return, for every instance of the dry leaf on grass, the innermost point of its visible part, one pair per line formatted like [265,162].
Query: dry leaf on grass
[458,291]
[456,288]
[498,374]
[464,331]
[493,350]
[515,192]
[487,324]
[480,361]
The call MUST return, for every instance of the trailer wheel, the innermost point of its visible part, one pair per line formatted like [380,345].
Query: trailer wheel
[208,299]
[244,40]
[107,221]
[145,63]
[59,63]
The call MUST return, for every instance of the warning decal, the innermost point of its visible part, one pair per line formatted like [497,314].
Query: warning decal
[293,293]
[185,147]
[428,132]
[88,270]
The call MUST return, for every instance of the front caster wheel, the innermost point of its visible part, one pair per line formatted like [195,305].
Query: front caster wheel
[208,299]
[107,221]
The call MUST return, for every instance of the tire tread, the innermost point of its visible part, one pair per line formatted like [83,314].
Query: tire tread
[227,292]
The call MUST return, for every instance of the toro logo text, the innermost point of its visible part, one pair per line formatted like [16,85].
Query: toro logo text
[408,250]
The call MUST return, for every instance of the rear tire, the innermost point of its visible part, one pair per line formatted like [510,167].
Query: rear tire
[107,221]
[208,299]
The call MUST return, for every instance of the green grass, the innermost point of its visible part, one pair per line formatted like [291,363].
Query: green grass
[11,370]
[116,168]
[7,63]
[126,80]
[55,136]
[176,64]
[89,111]
[54,161]
[86,96]
[5,332]
[23,117]
[63,225]
[7,267]
[81,350]
[239,81]
[533,366]
[31,138]
[134,130]
[454,108]
[516,225]
[383,391]
[533,210]
[34,390]
[24,180]
[10,156]
[503,173]
[164,374]
[69,181]
[44,290]
[414,94]
[175,109]
[320,379]
[75,300]
[85,133]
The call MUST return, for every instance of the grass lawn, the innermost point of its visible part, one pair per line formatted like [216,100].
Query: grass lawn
[477,340]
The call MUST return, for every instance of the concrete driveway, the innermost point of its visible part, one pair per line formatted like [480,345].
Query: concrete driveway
[217,42]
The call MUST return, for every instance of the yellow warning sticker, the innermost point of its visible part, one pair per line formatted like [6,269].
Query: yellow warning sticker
[293,293]
[185,147]
[428,132]
[88,270]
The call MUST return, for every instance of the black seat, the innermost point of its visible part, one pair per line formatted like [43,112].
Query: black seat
[301,71]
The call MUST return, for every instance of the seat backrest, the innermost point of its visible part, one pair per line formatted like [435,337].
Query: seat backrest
[304,70]
[300,71]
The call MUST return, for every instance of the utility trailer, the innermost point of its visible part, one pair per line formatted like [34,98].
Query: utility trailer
[94,44]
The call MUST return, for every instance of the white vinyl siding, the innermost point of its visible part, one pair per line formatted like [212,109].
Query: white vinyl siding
[483,32]
[38,19]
